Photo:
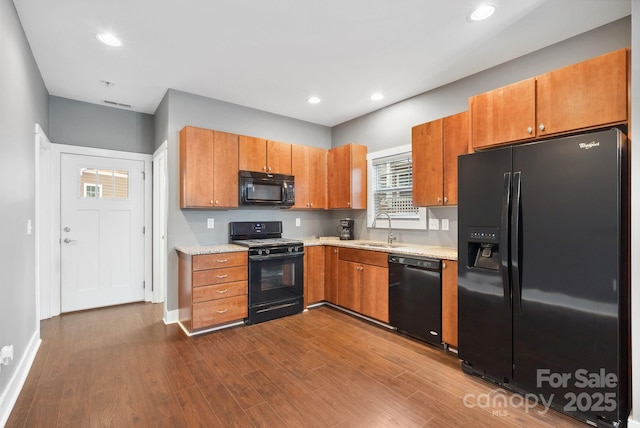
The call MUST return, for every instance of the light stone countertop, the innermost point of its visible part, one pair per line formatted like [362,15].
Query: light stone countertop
[194,250]
[445,253]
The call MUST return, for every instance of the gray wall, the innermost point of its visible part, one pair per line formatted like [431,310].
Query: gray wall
[84,124]
[188,227]
[24,103]
[391,126]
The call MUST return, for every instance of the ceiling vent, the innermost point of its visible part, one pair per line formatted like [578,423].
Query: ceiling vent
[117,104]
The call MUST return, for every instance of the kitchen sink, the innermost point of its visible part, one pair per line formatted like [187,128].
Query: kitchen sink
[379,244]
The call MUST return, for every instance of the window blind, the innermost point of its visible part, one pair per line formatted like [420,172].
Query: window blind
[392,186]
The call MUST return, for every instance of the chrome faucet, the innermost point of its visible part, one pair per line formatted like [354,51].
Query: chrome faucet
[390,236]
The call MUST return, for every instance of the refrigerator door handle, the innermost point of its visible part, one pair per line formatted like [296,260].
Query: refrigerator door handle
[515,243]
[504,238]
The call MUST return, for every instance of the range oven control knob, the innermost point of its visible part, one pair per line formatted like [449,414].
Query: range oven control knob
[266,251]
[290,249]
[259,252]
[297,249]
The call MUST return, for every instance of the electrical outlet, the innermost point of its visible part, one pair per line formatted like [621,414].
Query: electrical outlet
[298,221]
[6,355]
[210,223]
[445,224]
[434,224]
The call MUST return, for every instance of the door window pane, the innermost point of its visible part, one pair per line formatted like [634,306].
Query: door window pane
[104,183]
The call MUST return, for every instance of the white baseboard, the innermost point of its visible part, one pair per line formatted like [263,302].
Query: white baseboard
[171,317]
[10,395]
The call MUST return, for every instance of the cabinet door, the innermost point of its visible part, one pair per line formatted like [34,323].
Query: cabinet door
[278,157]
[426,153]
[349,280]
[314,266]
[225,169]
[331,274]
[455,142]
[375,292]
[584,95]
[358,155]
[300,170]
[196,167]
[317,178]
[253,153]
[503,115]
[450,303]
[339,177]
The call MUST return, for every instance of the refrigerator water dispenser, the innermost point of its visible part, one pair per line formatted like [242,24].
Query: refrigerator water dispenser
[483,248]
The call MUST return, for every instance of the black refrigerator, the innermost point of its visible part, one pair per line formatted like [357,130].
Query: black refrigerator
[543,272]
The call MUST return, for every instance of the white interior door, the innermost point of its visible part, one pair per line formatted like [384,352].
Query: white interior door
[102,231]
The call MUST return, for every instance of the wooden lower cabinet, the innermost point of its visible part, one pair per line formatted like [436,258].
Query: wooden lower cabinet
[363,282]
[212,289]
[314,275]
[450,303]
[331,274]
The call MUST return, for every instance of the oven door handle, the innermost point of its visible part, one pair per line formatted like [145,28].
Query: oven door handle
[277,256]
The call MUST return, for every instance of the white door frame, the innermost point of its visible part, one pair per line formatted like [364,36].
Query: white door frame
[42,224]
[160,212]
[56,151]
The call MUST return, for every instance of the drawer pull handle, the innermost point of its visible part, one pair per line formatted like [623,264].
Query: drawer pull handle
[222,311]
[222,276]
[222,291]
[222,261]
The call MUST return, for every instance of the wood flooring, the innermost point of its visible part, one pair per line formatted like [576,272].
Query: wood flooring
[122,367]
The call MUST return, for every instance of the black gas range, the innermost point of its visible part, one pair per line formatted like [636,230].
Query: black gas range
[275,269]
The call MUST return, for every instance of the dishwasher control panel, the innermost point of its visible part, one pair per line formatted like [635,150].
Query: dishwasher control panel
[430,264]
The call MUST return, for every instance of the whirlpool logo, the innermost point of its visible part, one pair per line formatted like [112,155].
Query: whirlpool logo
[590,145]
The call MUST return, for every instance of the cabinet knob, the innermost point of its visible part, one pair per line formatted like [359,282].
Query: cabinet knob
[269,169]
[311,204]
[446,199]
[211,202]
[359,268]
[349,203]
[541,127]
[264,168]
[529,130]
[438,200]
[217,202]
[444,265]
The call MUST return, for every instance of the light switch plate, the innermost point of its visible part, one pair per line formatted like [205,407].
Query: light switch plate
[445,224]
[298,221]
[210,223]
[434,224]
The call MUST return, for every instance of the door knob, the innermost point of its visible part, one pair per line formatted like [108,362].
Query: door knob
[68,241]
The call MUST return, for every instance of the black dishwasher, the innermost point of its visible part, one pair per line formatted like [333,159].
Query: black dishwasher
[415,297]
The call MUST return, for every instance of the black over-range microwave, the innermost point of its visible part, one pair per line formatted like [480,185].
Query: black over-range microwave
[267,190]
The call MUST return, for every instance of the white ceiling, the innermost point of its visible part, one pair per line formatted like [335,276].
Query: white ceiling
[272,55]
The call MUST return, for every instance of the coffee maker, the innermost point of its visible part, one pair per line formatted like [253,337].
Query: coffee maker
[346,229]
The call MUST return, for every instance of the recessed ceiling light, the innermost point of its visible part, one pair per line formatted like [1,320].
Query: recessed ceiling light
[313,100]
[377,96]
[481,13]
[109,39]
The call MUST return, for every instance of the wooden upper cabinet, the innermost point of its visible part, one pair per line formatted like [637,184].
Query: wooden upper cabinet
[309,167]
[585,95]
[455,142]
[347,177]
[208,171]
[253,153]
[258,154]
[426,154]
[435,148]
[505,114]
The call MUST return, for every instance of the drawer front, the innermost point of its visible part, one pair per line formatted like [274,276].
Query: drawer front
[220,311]
[221,260]
[219,276]
[366,257]
[220,291]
